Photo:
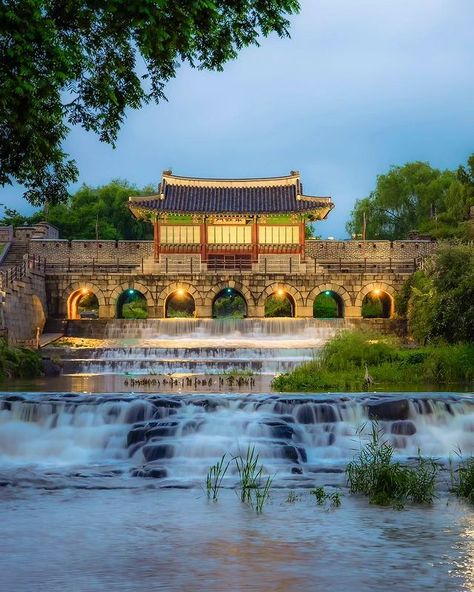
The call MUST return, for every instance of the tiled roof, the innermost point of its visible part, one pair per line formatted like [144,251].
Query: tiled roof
[252,196]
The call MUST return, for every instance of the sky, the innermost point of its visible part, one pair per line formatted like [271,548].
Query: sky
[360,86]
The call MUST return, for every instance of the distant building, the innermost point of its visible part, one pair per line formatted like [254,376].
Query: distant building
[230,223]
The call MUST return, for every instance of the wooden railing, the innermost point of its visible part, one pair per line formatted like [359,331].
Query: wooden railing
[10,275]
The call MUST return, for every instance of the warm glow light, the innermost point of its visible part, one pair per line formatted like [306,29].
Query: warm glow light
[377,292]
[84,290]
[180,292]
[281,292]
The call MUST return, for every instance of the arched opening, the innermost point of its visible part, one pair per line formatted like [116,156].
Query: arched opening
[377,304]
[328,305]
[83,304]
[180,304]
[280,304]
[229,303]
[131,304]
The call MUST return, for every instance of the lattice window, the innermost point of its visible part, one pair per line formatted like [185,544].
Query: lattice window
[279,235]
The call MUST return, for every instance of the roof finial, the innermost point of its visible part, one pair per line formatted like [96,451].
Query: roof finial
[295,173]
[168,172]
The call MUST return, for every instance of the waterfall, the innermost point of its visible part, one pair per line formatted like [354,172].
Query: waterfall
[180,437]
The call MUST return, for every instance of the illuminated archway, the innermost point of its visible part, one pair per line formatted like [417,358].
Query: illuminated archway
[229,303]
[377,304]
[180,304]
[280,304]
[328,305]
[83,304]
[132,304]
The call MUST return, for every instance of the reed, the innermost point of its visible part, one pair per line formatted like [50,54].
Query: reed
[215,476]
[462,479]
[322,497]
[251,472]
[376,475]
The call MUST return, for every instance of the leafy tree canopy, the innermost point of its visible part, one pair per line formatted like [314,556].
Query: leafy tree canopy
[439,300]
[416,198]
[104,207]
[84,62]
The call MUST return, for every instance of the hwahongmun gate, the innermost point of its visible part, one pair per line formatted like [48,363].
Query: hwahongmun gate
[211,237]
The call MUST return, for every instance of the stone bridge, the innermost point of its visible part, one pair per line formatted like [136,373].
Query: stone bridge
[348,270]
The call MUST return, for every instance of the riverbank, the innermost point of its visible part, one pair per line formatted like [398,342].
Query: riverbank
[19,362]
[358,360]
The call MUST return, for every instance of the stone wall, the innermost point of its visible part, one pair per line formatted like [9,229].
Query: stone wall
[60,251]
[329,250]
[6,234]
[77,251]
[24,308]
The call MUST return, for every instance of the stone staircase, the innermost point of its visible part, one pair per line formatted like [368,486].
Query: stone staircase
[15,254]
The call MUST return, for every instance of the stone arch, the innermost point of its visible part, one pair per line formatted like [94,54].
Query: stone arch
[292,291]
[336,288]
[72,294]
[171,288]
[132,285]
[237,286]
[374,287]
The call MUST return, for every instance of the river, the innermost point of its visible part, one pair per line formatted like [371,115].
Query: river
[106,490]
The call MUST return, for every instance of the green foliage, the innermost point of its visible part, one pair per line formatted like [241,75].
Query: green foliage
[417,197]
[322,496]
[81,63]
[91,209]
[229,305]
[19,362]
[253,489]
[373,307]
[291,497]
[278,306]
[462,479]
[214,477]
[325,306]
[132,305]
[237,373]
[376,475]
[438,302]
[341,365]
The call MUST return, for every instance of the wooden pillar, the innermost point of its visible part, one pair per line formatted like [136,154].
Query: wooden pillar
[302,241]
[156,238]
[255,239]
[204,240]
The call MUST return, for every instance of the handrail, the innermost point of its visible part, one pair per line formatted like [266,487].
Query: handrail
[8,276]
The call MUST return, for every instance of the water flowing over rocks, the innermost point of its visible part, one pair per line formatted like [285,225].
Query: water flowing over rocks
[175,439]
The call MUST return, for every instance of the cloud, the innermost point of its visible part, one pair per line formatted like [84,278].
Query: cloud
[359,86]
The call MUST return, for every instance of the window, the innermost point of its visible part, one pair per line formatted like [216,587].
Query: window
[279,235]
[180,235]
[229,235]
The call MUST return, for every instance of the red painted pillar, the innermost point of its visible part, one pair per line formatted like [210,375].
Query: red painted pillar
[156,238]
[302,241]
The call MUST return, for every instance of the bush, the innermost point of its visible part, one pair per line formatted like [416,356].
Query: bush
[374,474]
[19,362]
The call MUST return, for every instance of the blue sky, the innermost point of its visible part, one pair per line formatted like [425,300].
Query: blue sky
[360,86]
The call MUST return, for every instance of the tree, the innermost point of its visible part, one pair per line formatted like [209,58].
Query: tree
[101,208]
[85,62]
[438,301]
[417,197]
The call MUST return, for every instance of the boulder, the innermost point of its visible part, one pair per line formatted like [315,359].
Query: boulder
[154,451]
[390,410]
[403,428]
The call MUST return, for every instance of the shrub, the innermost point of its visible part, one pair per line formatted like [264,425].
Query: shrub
[462,480]
[373,473]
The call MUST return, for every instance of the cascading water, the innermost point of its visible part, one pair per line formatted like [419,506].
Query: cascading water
[177,438]
[201,346]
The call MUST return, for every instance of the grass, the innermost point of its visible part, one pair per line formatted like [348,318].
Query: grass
[19,362]
[462,479]
[322,497]
[341,365]
[214,477]
[254,487]
[236,373]
[374,474]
